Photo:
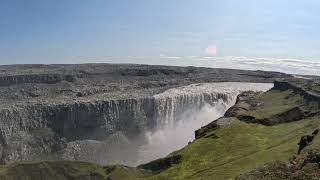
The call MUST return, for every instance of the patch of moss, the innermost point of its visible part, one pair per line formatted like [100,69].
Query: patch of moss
[162,164]
[66,170]
[303,166]
[275,102]
[49,170]
[309,85]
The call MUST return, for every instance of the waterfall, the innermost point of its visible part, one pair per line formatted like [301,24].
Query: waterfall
[180,111]
[184,101]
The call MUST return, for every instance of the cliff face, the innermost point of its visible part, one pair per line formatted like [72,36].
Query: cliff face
[67,123]
[34,78]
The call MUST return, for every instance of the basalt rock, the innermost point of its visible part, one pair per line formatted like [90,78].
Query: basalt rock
[162,164]
[35,78]
[245,102]
[219,123]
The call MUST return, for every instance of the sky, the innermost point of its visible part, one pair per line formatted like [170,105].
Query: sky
[180,32]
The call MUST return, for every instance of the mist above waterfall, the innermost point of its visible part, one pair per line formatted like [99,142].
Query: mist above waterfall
[169,138]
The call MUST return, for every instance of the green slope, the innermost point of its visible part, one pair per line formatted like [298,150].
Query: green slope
[239,148]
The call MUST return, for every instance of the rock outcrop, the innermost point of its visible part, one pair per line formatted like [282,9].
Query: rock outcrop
[35,78]
[219,123]
[162,164]
[249,104]
[245,101]
[304,88]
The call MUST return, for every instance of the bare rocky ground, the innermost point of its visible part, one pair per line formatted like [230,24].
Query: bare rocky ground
[63,83]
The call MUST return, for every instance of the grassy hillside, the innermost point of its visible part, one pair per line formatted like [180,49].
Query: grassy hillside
[237,149]
[240,147]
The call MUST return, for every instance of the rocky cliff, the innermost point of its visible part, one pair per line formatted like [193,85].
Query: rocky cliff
[35,78]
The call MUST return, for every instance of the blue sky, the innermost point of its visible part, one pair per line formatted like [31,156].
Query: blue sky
[73,31]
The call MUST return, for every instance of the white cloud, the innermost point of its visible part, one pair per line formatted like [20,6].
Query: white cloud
[173,57]
[293,66]
[287,65]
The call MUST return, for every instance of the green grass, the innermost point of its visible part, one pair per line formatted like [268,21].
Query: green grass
[311,86]
[276,102]
[50,170]
[66,170]
[315,87]
[240,147]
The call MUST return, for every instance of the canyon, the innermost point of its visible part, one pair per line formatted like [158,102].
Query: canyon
[111,114]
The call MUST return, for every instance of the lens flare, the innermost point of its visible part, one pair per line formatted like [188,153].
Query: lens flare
[211,50]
